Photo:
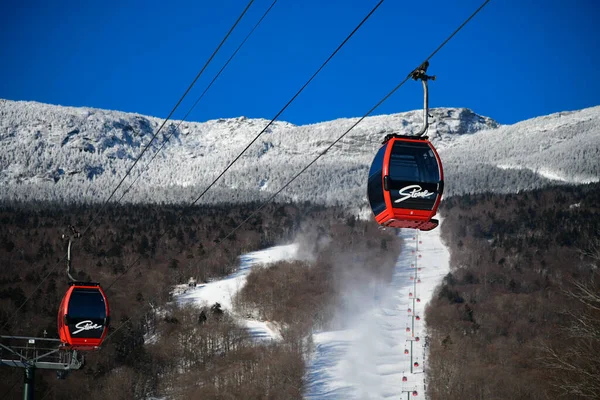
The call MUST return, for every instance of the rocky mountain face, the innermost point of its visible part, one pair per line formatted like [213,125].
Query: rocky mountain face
[80,155]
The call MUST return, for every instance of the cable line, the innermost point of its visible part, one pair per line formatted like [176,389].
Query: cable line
[355,124]
[291,100]
[135,162]
[199,98]
[326,150]
[170,114]
[266,127]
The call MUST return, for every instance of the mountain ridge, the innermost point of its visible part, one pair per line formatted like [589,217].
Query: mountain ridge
[77,154]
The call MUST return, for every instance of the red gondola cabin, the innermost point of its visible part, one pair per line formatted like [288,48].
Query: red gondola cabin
[406,182]
[83,316]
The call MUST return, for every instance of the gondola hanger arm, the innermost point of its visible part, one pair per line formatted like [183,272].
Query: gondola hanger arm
[421,74]
[73,235]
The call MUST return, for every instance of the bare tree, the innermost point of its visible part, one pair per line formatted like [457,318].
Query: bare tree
[577,366]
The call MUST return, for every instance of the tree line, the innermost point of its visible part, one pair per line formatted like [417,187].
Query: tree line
[518,316]
[155,347]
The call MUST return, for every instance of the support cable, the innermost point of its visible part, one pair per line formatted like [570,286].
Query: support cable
[409,76]
[265,128]
[135,162]
[290,101]
[329,147]
[170,114]
[199,98]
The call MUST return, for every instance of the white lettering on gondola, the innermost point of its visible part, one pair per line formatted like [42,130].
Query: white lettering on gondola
[417,191]
[85,326]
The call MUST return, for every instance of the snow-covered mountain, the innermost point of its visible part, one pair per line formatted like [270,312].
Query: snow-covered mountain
[562,147]
[80,154]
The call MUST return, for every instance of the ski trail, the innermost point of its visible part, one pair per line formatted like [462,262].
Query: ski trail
[222,291]
[368,360]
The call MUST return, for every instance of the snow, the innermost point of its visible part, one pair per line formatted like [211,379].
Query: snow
[561,147]
[38,140]
[223,291]
[546,173]
[552,175]
[367,360]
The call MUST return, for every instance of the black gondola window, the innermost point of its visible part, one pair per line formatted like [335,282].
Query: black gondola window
[413,162]
[375,186]
[413,170]
[86,314]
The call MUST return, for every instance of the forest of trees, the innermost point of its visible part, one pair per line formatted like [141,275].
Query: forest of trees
[155,347]
[518,317]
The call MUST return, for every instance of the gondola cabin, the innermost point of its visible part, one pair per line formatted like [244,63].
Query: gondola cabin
[406,182]
[83,316]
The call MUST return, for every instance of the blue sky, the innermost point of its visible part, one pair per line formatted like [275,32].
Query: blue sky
[516,60]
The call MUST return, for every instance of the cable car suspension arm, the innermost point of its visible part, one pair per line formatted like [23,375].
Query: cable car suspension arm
[74,234]
[420,74]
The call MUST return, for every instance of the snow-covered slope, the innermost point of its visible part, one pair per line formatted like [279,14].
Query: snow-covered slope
[371,358]
[223,291]
[562,147]
[80,154]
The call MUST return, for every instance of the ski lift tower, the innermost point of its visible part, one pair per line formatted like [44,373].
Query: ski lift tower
[410,391]
[33,353]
